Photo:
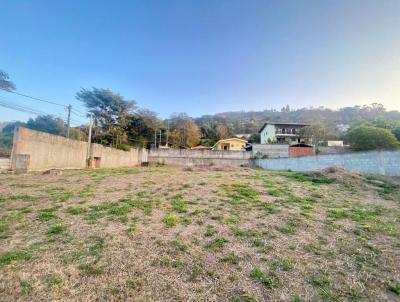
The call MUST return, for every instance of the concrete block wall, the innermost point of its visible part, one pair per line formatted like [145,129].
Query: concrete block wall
[5,164]
[270,150]
[373,162]
[183,157]
[322,150]
[45,151]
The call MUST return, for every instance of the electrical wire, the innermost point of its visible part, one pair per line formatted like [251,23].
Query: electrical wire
[43,100]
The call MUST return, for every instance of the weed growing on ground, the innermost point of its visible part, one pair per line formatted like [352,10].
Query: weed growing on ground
[26,287]
[171,220]
[217,244]
[7,257]
[53,280]
[56,229]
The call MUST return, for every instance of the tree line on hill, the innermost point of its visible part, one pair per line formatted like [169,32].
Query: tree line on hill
[120,123]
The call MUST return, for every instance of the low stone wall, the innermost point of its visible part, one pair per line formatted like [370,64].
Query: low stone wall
[183,157]
[373,162]
[36,151]
[270,150]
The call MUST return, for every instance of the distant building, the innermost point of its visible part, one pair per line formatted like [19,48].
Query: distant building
[201,148]
[333,143]
[343,127]
[240,135]
[233,144]
[281,133]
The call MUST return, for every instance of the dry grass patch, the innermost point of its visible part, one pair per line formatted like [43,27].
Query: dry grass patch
[200,234]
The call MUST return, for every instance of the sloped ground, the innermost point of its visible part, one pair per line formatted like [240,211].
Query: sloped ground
[166,234]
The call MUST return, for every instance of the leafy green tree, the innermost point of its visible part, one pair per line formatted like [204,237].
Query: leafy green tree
[9,128]
[371,138]
[396,133]
[141,127]
[5,82]
[315,132]
[47,123]
[255,138]
[110,112]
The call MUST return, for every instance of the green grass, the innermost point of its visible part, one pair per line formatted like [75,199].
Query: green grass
[47,214]
[75,210]
[15,197]
[179,205]
[277,192]
[118,210]
[211,231]
[242,192]
[260,276]
[217,244]
[395,288]
[313,178]
[171,220]
[179,246]
[322,281]
[60,194]
[90,269]
[386,188]
[4,230]
[56,229]
[7,257]
[231,259]
[245,297]
[53,280]
[26,287]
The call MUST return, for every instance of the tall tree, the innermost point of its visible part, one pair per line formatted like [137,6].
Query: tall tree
[222,131]
[141,127]
[110,112]
[184,132]
[315,132]
[47,123]
[5,83]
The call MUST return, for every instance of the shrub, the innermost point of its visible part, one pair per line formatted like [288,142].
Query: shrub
[371,138]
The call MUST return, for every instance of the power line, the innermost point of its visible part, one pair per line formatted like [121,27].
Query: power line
[33,111]
[42,100]
[20,108]
[34,98]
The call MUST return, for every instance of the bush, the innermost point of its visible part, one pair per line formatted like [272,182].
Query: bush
[371,138]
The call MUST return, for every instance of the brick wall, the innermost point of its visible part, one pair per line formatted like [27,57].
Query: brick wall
[300,151]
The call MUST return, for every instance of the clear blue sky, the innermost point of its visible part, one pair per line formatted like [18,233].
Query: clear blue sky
[203,56]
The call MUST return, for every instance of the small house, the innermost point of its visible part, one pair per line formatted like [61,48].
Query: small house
[232,144]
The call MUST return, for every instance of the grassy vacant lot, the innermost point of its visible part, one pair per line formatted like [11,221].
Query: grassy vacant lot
[166,234]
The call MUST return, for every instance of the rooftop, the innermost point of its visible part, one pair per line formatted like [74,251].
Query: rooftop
[282,124]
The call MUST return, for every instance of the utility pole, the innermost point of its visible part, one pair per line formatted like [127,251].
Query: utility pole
[167,134]
[69,108]
[160,138]
[89,150]
[155,139]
